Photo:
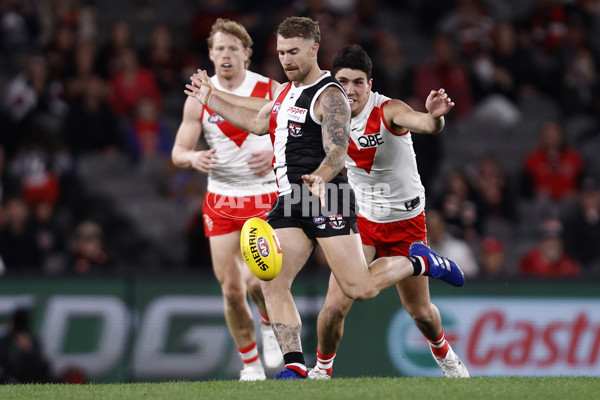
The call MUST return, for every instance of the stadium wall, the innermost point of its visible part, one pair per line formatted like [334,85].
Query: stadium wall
[124,330]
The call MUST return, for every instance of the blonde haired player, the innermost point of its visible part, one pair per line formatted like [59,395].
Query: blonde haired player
[241,185]
[390,219]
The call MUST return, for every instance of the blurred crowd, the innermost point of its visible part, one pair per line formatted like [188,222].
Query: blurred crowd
[512,183]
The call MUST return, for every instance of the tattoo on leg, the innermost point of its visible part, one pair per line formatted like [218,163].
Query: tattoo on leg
[289,337]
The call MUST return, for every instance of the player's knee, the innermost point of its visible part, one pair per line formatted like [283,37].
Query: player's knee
[420,313]
[333,313]
[234,295]
[359,292]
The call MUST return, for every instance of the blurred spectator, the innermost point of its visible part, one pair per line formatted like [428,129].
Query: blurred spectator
[493,187]
[492,258]
[19,31]
[461,207]
[582,226]
[49,236]
[391,72]
[88,256]
[471,25]
[90,125]
[21,358]
[146,134]
[445,71]
[38,183]
[171,65]
[205,16]
[446,245]
[18,244]
[32,91]
[120,39]
[82,67]
[581,84]
[548,258]
[59,52]
[130,83]
[552,170]
[513,66]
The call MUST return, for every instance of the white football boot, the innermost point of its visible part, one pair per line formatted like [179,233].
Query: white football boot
[251,373]
[271,352]
[451,365]
[318,373]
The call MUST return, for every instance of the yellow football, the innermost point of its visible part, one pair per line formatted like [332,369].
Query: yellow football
[260,249]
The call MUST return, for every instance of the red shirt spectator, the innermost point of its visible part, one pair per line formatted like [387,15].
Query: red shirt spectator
[131,83]
[445,71]
[553,168]
[548,259]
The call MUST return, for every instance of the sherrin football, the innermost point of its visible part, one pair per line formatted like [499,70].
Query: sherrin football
[260,249]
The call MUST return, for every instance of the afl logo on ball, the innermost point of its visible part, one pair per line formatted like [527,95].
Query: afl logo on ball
[263,246]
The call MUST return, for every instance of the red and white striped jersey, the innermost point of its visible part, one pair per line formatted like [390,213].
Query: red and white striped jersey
[382,167]
[232,175]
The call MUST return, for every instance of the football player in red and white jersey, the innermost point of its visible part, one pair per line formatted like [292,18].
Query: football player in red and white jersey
[241,185]
[382,170]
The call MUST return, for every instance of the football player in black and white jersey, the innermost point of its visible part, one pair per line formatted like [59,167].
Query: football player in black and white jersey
[309,124]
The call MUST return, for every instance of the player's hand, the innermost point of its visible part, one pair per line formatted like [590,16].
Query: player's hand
[204,160]
[261,162]
[316,184]
[438,103]
[200,87]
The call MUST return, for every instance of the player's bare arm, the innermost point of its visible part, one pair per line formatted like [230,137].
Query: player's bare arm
[334,112]
[184,153]
[401,116]
[239,113]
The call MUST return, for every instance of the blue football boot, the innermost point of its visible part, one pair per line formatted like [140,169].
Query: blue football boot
[439,267]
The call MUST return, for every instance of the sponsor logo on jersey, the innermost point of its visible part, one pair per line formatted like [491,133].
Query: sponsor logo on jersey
[412,204]
[318,220]
[297,114]
[276,108]
[337,221]
[215,119]
[263,246]
[322,226]
[294,130]
[370,140]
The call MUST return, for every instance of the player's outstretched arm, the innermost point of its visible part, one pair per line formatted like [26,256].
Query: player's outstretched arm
[403,117]
[238,110]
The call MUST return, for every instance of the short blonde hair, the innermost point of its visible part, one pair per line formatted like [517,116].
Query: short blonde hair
[233,28]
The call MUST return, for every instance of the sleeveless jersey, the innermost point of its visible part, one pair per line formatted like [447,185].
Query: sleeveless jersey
[382,167]
[296,133]
[232,175]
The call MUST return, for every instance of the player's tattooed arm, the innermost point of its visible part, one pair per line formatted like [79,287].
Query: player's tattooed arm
[335,127]
[289,337]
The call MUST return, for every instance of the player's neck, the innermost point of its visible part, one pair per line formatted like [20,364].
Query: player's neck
[231,84]
[313,75]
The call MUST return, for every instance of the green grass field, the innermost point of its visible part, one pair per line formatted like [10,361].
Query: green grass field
[336,389]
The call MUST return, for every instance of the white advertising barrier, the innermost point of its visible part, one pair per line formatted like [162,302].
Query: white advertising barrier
[506,336]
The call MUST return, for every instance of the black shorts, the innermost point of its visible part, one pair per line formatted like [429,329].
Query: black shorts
[303,210]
